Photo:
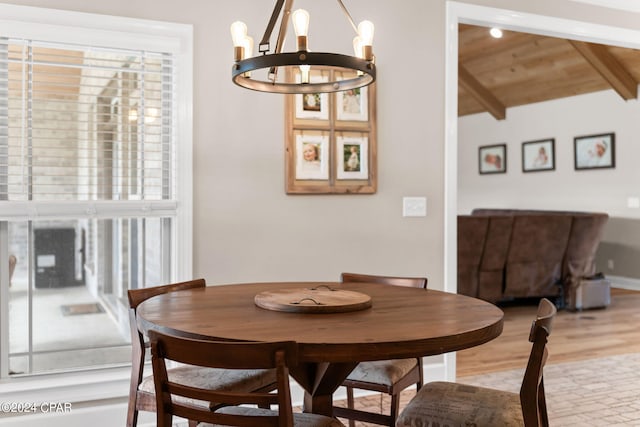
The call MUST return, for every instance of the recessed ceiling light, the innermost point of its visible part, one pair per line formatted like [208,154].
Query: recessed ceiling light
[495,32]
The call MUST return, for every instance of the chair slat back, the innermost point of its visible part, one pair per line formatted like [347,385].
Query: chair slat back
[137,296]
[138,350]
[532,399]
[226,355]
[412,282]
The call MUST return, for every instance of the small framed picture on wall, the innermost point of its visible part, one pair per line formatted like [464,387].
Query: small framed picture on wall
[595,151]
[353,157]
[492,159]
[352,104]
[312,156]
[538,155]
[314,106]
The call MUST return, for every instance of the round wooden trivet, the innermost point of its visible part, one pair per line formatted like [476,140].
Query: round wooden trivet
[319,299]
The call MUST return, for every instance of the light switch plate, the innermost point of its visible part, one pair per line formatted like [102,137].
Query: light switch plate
[414,206]
[633,202]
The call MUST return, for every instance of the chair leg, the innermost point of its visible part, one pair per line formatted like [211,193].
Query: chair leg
[132,414]
[350,404]
[395,408]
[542,406]
[193,423]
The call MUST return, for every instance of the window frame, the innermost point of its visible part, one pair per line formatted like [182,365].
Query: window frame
[114,32]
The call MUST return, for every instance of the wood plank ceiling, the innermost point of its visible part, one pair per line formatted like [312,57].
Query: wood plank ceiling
[520,68]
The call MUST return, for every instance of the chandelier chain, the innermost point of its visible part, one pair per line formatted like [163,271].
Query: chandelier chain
[269,30]
[346,12]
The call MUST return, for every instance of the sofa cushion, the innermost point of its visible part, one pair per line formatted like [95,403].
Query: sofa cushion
[494,258]
[472,232]
[536,253]
[586,233]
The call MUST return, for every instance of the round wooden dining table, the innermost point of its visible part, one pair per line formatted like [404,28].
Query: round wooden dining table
[401,322]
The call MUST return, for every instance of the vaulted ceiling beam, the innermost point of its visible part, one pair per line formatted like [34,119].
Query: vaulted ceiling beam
[609,68]
[481,93]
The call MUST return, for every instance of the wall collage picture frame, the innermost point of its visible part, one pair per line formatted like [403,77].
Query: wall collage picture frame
[330,139]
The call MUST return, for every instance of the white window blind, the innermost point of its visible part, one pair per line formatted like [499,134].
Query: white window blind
[81,123]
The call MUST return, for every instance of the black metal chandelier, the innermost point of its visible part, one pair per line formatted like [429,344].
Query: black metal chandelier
[360,67]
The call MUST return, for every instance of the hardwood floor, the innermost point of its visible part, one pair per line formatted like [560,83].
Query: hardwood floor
[579,335]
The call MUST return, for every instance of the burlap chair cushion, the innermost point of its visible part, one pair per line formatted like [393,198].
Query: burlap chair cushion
[452,404]
[299,420]
[385,372]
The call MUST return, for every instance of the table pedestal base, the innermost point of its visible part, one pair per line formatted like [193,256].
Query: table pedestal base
[320,381]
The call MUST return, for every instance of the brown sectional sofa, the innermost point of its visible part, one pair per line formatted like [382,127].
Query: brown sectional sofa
[504,254]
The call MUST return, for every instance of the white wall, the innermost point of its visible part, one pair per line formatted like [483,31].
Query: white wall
[247,228]
[603,190]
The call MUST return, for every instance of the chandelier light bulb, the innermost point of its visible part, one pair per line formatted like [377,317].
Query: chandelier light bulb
[304,73]
[247,43]
[358,50]
[357,46]
[365,31]
[247,51]
[300,19]
[238,33]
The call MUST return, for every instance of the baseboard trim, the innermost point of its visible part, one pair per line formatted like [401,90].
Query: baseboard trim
[97,415]
[79,386]
[624,282]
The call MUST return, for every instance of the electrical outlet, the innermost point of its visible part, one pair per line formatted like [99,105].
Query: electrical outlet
[633,202]
[610,264]
[414,206]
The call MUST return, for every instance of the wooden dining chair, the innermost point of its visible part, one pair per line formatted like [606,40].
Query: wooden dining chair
[446,403]
[385,376]
[141,389]
[172,396]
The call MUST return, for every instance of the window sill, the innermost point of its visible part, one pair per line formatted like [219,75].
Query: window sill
[80,386]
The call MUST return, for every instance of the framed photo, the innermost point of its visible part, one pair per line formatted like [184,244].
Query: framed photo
[539,155]
[595,151]
[312,156]
[353,157]
[352,105]
[313,106]
[492,159]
